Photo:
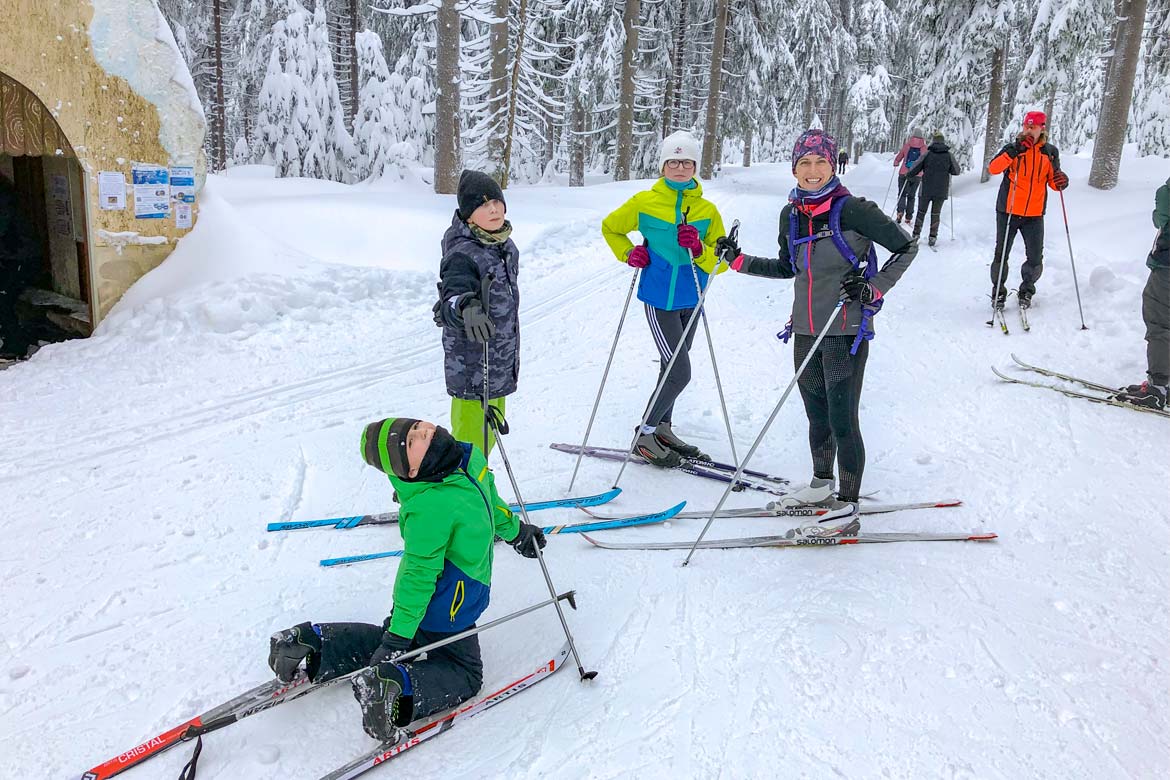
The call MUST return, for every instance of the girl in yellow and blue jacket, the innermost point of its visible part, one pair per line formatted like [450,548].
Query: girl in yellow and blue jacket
[677,255]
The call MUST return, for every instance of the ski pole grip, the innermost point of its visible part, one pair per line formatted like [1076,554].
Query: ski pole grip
[485,288]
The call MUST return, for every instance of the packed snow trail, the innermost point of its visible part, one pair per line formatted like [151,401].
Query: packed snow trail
[230,388]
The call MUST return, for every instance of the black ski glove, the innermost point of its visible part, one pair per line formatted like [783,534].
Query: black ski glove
[727,249]
[476,323]
[392,646]
[855,287]
[287,648]
[523,543]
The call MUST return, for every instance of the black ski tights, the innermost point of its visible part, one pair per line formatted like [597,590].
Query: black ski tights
[831,389]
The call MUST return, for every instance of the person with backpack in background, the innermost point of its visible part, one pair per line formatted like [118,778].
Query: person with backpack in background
[842,161]
[1156,313]
[827,239]
[904,160]
[478,245]
[679,228]
[1030,167]
[936,167]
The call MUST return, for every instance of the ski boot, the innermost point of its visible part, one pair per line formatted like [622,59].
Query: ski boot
[654,452]
[382,692]
[819,492]
[840,520]
[1146,394]
[999,300]
[288,648]
[932,241]
[1024,296]
[667,439]
[898,218]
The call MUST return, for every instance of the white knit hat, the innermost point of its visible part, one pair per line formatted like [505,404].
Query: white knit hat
[679,145]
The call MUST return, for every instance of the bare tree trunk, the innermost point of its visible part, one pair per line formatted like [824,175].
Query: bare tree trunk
[711,152]
[672,115]
[498,88]
[351,44]
[625,119]
[514,91]
[994,110]
[577,144]
[1118,94]
[747,146]
[219,125]
[447,156]
[808,109]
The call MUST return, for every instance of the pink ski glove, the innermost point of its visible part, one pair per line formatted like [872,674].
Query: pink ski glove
[688,239]
[639,257]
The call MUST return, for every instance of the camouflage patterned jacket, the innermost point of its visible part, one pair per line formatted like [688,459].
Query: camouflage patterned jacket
[466,261]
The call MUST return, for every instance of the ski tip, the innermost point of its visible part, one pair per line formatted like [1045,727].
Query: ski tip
[674,510]
[982,537]
[589,539]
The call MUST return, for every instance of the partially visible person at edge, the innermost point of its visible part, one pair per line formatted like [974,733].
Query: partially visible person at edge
[842,161]
[1156,313]
[824,275]
[905,159]
[476,247]
[451,515]
[19,255]
[937,167]
[1030,166]
[679,229]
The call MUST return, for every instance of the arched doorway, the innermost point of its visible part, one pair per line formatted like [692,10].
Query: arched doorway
[45,290]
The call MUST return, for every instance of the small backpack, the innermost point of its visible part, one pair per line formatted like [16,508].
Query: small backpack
[865,331]
[912,155]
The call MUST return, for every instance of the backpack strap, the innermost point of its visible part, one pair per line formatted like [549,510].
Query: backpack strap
[865,331]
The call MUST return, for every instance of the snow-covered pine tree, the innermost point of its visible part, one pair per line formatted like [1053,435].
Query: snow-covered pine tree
[288,124]
[331,153]
[1153,112]
[379,147]
[872,89]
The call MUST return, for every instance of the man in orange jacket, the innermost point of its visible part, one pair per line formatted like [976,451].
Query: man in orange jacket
[1029,165]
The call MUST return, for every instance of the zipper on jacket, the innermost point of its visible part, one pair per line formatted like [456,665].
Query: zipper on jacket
[487,504]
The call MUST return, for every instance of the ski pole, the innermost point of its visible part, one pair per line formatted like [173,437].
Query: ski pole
[889,186]
[1007,226]
[711,345]
[775,411]
[669,365]
[1071,259]
[901,190]
[501,427]
[484,293]
[604,377]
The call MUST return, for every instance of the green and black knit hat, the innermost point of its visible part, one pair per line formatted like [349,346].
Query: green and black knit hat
[384,445]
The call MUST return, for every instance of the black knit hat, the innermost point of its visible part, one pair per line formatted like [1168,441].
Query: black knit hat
[384,445]
[475,189]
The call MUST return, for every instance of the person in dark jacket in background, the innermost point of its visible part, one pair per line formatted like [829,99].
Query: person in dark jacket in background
[1156,313]
[842,161]
[477,246]
[811,255]
[937,167]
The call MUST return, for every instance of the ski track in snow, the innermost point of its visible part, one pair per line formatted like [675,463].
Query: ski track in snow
[141,586]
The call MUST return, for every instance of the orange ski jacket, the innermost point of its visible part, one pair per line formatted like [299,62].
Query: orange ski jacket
[1026,180]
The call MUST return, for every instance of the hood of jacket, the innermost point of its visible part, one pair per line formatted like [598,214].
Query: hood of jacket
[938,147]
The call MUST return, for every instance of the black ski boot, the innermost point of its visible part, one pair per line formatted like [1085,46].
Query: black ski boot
[1146,394]
[666,438]
[1024,296]
[379,692]
[999,300]
[655,452]
[287,648]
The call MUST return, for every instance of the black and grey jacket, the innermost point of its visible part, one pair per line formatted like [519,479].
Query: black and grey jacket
[466,262]
[818,279]
[937,167]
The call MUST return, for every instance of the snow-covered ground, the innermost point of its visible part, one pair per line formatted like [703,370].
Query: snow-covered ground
[230,387]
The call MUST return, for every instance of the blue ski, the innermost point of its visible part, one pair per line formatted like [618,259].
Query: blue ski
[386,518]
[569,528]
